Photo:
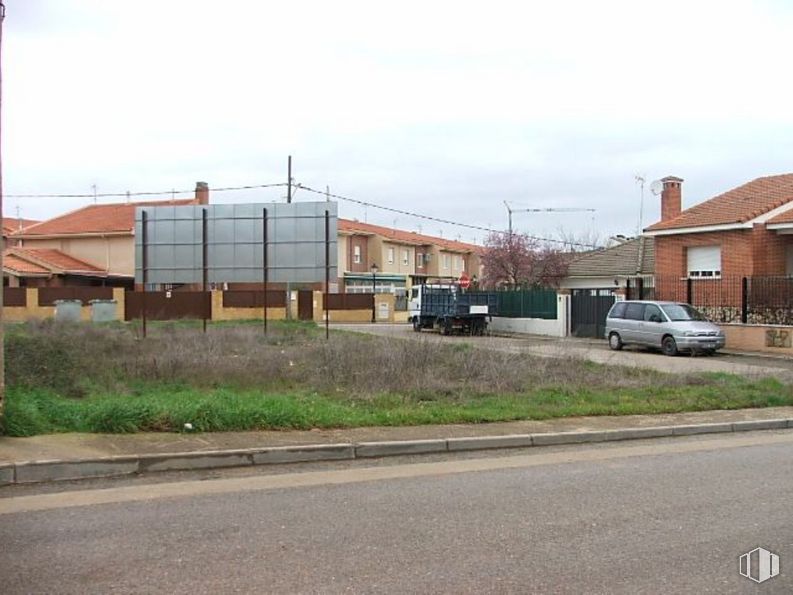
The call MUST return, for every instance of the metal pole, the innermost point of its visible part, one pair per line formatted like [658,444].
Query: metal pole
[374,294]
[744,299]
[289,201]
[144,263]
[289,181]
[264,268]
[2,248]
[204,253]
[327,275]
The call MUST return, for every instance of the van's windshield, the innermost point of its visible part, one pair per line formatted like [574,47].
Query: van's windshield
[682,312]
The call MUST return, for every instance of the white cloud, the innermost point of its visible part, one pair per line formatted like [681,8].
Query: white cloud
[446,108]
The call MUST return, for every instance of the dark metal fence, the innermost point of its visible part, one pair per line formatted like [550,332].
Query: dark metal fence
[350,301]
[253,299]
[527,303]
[49,295]
[168,305]
[15,297]
[753,300]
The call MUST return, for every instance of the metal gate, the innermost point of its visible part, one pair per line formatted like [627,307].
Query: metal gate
[588,309]
[305,304]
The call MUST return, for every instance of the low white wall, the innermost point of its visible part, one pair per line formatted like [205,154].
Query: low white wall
[537,326]
[529,326]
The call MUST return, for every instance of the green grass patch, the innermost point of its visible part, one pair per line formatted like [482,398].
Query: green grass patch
[106,378]
[168,409]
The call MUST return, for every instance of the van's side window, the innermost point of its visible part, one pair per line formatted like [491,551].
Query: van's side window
[634,312]
[652,313]
[618,311]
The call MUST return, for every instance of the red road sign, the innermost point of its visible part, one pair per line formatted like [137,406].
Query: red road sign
[464,281]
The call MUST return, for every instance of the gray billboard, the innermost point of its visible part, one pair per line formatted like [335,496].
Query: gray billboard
[295,243]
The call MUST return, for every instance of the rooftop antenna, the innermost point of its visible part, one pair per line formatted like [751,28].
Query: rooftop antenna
[640,179]
[93,187]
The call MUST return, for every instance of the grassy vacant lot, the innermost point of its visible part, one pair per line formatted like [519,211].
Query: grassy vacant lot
[86,378]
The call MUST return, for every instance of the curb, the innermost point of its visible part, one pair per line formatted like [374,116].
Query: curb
[115,466]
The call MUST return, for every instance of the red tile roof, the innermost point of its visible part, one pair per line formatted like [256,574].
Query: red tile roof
[738,205]
[12,224]
[93,219]
[20,265]
[47,260]
[405,237]
[59,260]
[786,217]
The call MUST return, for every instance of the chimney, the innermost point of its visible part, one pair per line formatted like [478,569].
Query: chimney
[202,193]
[671,197]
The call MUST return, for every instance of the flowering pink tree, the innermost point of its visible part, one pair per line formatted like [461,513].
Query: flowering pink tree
[517,260]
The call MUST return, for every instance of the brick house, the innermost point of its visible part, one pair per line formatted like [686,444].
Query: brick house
[744,232]
[403,258]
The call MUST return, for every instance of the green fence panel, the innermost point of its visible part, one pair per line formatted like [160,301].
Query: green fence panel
[528,303]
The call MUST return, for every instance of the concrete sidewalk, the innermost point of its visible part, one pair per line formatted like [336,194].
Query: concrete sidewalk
[75,447]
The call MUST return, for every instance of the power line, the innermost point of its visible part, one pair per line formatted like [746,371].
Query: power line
[128,194]
[327,195]
[438,219]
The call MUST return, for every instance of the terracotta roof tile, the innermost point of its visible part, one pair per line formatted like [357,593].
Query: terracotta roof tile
[104,218]
[50,260]
[12,224]
[20,265]
[59,260]
[738,205]
[405,237]
[786,217]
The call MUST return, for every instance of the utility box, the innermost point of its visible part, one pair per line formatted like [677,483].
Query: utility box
[103,310]
[67,310]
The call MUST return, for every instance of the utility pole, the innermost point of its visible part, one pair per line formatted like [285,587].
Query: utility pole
[289,201]
[2,240]
[289,181]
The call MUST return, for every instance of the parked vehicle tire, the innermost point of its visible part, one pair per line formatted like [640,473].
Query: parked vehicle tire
[417,325]
[669,346]
[446,327]
[615,341]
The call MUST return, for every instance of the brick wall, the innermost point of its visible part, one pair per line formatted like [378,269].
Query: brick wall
[743,252]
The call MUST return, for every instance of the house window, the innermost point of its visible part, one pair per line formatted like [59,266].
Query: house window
[405,257]
[704,262]
[446,260]
[356,255]
[390,256]
[419,260]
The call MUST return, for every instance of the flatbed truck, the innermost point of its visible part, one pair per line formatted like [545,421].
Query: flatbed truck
[449,309]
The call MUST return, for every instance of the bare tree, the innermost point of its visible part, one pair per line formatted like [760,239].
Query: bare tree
[583,241]
[517,260]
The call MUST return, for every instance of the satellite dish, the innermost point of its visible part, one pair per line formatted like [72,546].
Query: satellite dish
[657,187]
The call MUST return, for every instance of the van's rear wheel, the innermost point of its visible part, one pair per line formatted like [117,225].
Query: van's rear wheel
[615,341]
[669,346]
[417,324]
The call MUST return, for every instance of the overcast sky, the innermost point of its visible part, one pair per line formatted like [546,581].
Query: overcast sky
[443,108]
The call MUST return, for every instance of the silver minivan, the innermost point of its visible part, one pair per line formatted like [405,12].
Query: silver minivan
[669,326]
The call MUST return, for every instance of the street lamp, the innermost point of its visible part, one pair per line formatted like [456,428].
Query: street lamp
[373,268]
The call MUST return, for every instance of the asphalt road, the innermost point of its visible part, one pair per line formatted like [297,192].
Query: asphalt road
[597,351]
[654,516]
